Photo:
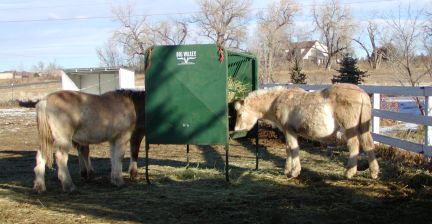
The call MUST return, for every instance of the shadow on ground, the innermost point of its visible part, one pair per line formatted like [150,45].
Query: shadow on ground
[192,195]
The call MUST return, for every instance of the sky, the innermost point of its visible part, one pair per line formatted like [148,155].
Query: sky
[68,32]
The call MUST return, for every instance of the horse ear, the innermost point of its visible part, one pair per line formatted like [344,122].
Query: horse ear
[238,104]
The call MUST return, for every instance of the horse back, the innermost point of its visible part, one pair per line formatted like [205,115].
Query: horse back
[91,118]
[319,114]
[306,114]
[349,101]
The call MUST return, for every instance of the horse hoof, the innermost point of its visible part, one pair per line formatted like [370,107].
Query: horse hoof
[287,173]
[374,170]
[374,175]
[84,175]
[133,174]
[294,174]
[91,174]
[117,181]
[87,175]
[39,187]
[70,188]
[350,173]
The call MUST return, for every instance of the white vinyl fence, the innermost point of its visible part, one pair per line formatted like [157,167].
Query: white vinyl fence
[378,113]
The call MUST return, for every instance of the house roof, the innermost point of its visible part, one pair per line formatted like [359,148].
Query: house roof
[305,46]
[302,44]
[84,71]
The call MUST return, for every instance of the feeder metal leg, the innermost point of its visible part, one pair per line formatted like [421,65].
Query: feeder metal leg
[187,156]
[226,163]
[147,146]
[256,146]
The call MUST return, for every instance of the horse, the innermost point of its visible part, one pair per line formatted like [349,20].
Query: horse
[341,113]
[68,118]
[87,170]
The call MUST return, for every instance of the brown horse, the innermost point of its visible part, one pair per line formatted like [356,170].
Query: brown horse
[68,117]
[138,133]
[316,115]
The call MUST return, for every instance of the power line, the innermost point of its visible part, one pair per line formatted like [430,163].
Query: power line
[54,6]
[161,14]
[92,17]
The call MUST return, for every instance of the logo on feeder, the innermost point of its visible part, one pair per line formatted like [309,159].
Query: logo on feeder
[186,57]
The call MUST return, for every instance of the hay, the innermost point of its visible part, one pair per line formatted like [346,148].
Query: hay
[236,89]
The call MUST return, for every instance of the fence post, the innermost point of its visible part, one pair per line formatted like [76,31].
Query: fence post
[12,86]
[428,129]
[376,104]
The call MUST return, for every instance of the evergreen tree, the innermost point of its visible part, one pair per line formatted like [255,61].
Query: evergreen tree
[349,72]
[297,76]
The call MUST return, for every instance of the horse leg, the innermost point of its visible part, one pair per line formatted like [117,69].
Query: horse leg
[39,182]
[63,171]
[353,147]
[135,143]
[366,142]
[288,162]
[87,171]
[117,149]
[293,156]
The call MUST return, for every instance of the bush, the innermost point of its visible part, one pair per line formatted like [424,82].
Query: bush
[349,72]
[297,76]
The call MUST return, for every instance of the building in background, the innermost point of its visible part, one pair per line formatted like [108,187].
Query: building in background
[307,51]
[97,80]
[7,75]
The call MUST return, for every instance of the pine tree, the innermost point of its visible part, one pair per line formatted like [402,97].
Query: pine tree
[349,72]
[297,76]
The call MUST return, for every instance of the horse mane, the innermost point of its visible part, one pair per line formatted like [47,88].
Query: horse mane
[137,97]
[129,92]
[261,92]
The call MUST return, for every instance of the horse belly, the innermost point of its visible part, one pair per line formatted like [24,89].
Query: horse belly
[85,137]
[98,134]
[317,123]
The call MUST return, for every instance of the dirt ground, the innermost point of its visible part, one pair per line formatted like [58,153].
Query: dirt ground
[200,193]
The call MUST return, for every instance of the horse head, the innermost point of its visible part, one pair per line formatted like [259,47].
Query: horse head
[246,116]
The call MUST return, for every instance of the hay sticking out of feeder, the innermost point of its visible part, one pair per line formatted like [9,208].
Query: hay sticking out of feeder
[236,89]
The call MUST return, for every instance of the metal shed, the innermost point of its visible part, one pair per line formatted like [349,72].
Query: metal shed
[97,80]
[186,93]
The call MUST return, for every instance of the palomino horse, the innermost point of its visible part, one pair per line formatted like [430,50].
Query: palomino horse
[68,117]
[316,115]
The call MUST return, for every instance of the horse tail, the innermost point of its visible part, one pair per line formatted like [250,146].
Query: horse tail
[365,136]
[46,139]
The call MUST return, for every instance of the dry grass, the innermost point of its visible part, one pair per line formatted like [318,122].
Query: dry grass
[385,75]
[9,104]
[200,193]
[321,194]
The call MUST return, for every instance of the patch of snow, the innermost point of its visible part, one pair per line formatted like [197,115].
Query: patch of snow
[398,127]
[17,112]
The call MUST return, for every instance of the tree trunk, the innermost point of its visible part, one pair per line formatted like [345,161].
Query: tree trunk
[329,62]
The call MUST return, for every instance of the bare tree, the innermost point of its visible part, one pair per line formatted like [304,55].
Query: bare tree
[39,68]
[109,55]
[374,53]
[50,69]
[134,34]
[405,35]
[335,25]
[427,43]
[273,27]
[172,32]
[53,69]
[223,21]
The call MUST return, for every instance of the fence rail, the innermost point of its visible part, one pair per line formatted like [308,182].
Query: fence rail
[378,113]
[27,91]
